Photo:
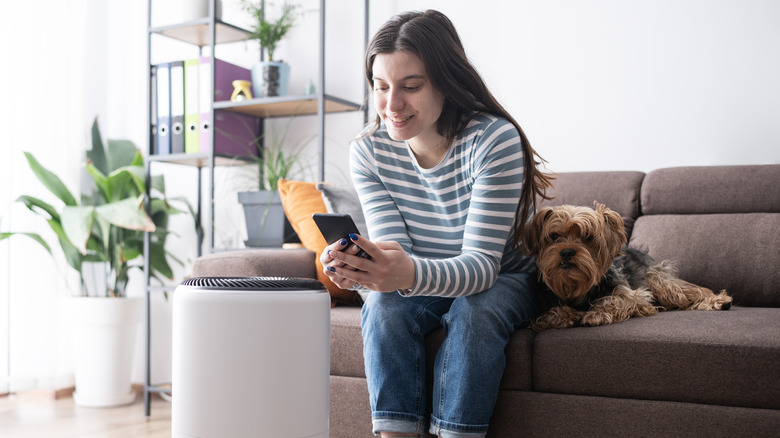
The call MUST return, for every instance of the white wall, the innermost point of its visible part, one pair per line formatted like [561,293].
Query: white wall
[597,85]
[613,84]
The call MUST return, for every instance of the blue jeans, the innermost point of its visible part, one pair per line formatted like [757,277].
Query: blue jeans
[468,366]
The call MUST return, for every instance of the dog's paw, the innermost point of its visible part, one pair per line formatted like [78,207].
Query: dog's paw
[594,319]
[540,325]
[712,301]
[556,317]
[722,301]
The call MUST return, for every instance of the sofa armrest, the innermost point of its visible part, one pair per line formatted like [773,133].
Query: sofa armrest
[261,262]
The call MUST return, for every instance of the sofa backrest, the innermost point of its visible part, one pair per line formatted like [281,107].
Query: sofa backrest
[719,224]
[618,190]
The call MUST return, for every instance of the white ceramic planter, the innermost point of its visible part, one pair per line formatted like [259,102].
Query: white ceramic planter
[103,333]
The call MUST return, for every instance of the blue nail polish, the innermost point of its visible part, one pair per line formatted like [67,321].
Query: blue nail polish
[329,252]
[331,269]
[343,242]
[353,236]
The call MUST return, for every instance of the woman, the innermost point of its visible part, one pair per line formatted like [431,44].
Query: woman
[447,180]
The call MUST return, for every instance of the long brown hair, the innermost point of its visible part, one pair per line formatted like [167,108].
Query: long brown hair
[432,37]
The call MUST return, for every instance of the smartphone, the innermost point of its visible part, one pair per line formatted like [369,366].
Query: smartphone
[335,227]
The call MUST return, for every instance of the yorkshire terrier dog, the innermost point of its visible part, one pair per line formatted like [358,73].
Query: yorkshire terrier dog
[589,277]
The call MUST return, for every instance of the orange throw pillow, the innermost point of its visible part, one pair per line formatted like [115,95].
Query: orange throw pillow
[300,201]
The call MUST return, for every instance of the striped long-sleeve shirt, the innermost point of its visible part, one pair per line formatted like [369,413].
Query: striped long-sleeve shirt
[456,219]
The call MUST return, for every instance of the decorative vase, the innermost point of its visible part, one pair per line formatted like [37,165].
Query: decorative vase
[270,78]
[103,334]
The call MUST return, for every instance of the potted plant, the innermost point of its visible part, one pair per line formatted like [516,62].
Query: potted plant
[269,77]
[104,232]
[265,219]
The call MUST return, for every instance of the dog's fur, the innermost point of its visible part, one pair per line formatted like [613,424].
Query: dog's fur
[589,277]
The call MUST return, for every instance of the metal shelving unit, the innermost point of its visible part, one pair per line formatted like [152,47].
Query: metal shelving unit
[210,32]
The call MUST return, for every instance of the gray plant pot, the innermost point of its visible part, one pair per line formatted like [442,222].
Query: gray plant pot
[265,219]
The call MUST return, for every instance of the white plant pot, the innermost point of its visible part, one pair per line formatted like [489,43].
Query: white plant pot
[103,333]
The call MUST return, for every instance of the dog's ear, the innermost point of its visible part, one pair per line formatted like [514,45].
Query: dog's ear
[532,233]
[616,227]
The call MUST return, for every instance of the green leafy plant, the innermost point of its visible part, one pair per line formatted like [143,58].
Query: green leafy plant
[268,32]
[275,164]
[108,224]
[278,158]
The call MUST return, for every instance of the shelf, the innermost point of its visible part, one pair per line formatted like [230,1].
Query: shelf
[286,106]
[201,160]
[197,32]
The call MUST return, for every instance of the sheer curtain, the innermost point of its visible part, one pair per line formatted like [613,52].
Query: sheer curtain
[50,96]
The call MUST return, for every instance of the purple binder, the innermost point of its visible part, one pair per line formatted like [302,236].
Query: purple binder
[235,135]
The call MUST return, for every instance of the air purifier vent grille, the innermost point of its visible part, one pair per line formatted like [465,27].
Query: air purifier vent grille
[253,283]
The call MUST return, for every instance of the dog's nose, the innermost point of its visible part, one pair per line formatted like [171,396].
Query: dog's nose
[567,254]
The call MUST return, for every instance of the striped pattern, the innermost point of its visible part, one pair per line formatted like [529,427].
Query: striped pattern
[454,219]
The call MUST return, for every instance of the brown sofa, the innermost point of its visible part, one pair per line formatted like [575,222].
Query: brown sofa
[681,373]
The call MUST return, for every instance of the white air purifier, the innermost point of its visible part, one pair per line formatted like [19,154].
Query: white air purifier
[251,358]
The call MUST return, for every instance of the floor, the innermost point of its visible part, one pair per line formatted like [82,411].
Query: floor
[31,415]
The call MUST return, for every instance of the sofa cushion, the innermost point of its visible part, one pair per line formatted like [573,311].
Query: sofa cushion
[618,190]
[727,358]
[712,190]
[346,343]
[736,252]
[719,225]
[346,350]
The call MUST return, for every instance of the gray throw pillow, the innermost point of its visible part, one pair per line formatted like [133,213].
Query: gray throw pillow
[343,199]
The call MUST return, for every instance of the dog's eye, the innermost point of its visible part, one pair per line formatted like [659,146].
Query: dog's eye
[554,237]
[588,238]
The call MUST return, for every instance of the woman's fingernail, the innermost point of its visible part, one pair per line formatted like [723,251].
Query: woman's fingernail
[353,236]
[331,269]
[329,252]
[343,242]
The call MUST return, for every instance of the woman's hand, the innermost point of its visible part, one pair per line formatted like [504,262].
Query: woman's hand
[388,269]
